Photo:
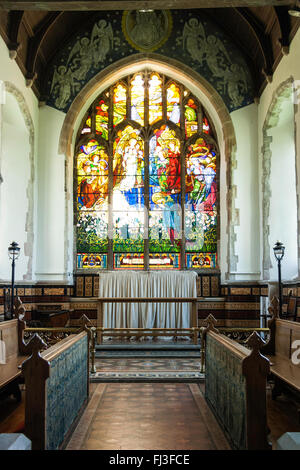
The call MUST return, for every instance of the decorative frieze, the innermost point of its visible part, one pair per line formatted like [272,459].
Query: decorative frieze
[242,306]
[240,291]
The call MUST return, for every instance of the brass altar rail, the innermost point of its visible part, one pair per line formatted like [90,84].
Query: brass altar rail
[140,332]
[147,299]
[61,329]
[153,300]
[232,330]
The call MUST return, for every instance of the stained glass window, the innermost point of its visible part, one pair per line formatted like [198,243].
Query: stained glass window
[173,103]
[191,120]
[87,128]
[146,182]
[155,99]
[137,99]
[119,104]
[102,119]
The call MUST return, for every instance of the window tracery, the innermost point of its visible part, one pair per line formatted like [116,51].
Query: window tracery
[147,179]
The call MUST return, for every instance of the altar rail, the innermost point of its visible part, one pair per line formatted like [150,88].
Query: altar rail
[153,300]
[153,332]
[53,335]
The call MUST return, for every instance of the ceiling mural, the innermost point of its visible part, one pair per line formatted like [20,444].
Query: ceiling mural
[147,30]
[185,35]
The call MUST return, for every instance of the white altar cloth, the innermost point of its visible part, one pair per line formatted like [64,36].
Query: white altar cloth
[147,284]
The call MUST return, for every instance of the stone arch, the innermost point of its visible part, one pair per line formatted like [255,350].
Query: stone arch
[283,92]
[199,86]
[29,225]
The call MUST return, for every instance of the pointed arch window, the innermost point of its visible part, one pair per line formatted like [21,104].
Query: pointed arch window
[146,184]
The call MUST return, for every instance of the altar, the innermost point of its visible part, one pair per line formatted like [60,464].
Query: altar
[160,300]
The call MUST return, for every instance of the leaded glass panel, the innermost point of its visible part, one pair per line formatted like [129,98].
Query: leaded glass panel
[134,206]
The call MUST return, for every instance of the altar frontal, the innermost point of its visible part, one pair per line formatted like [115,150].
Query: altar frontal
[148,286]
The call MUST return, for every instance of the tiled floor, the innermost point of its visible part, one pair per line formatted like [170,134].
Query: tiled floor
[149,364]
[143,416]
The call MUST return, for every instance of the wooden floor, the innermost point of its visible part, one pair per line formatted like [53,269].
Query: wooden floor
[152,416]
[12,415]
[282,416]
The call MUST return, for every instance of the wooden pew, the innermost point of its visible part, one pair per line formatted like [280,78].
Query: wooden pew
[14,351]
[291,309]
[279,349]
[235,388]
[50,316]
[57,389]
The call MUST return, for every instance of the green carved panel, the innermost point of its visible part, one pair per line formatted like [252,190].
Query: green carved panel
[225,390]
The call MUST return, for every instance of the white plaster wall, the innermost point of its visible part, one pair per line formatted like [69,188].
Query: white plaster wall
[283,204]
[288,67]
[14,150]
[15,170]
[9,71]
[245,178]
[50,263]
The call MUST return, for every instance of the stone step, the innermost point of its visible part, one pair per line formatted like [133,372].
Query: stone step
[161,377]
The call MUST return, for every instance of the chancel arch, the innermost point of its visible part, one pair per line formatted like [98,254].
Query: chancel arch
[202,92]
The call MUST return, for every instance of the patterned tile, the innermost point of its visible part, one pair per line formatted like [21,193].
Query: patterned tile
[128,365]
[135,423]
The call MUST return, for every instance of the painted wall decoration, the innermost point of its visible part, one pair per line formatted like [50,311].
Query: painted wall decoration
[87,52]
[184,35]
[209,49]
[146,30]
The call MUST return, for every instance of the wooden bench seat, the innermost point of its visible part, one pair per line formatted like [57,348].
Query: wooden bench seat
[285,370]
[9,370]
[279,350]
[14,351]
